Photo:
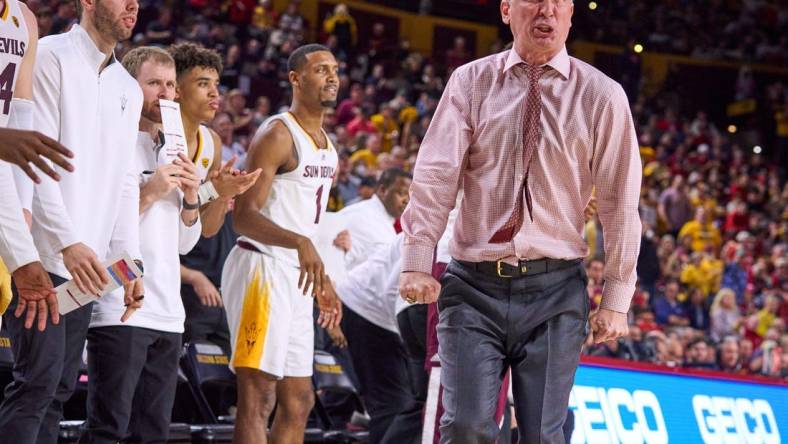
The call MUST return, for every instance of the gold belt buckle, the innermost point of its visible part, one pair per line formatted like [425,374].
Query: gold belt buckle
[500,272]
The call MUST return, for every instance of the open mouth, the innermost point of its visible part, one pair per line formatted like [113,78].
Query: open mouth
[330,89]
[543,30]
[129,21]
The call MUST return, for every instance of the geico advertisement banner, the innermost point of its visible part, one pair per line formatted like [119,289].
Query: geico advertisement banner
[620,406]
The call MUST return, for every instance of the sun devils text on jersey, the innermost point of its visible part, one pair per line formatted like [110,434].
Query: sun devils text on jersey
[13,43]
[298,198]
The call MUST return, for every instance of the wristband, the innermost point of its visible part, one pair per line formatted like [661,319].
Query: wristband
[21,114]
[207,192]
[190,206]
[21,118]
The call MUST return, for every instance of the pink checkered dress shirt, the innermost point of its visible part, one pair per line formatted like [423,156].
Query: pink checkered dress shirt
[475,142]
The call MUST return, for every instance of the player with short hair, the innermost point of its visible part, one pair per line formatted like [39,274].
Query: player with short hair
[269,274]
[198,71]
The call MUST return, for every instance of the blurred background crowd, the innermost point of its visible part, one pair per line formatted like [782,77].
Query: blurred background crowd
[713,265]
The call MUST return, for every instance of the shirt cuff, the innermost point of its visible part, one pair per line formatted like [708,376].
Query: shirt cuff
[617,296]
[64,241]
[15,262]
[417,258]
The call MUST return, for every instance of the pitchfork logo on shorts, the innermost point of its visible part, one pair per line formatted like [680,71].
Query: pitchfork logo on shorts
[251,336]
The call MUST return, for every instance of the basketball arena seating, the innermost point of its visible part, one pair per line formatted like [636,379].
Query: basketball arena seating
[204,380]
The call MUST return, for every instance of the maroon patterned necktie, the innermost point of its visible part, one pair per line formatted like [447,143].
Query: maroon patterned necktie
[531,134]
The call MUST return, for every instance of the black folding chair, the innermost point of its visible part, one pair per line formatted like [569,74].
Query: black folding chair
[330,378]
[205,364]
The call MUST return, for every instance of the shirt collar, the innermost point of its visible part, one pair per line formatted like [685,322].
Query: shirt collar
[378,204]
[89,49]
[559,62]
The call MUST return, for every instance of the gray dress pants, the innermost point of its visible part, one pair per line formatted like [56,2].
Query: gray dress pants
[534,325]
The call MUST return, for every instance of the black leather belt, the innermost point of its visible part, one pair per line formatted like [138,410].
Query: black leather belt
[247,246]
[503,269]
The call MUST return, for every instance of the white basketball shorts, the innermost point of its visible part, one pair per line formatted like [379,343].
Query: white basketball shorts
[270,320]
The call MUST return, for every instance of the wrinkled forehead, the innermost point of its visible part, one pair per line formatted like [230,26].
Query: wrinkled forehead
[320,58]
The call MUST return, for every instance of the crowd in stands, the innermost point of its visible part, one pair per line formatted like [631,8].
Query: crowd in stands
[741,30]
[713,265]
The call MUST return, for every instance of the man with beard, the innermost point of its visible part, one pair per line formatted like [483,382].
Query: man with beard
[198,70]
[268,308]
[85,100]
[133,366]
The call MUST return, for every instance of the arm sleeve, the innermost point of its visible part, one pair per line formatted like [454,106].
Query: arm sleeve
[22,112]
[437,175]
[188,236]
[48,207]
[16,243]
[126,232]
[617,174]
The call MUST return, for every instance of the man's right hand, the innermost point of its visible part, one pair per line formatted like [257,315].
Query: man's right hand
[36,295]
[206,291]
[343,241]
[22,147]
[164,180]
[418,288]
[88,273]
[312,270]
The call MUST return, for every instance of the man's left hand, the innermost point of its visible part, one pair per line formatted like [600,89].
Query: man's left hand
[607,325]
[189,180]
[330,306]
[132,298]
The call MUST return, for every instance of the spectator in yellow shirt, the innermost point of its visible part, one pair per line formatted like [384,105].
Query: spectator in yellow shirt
[264,17]
[701,197]
[701,231]
[703,272]
[342,26]
[367,157]
[387,127]
[767,315]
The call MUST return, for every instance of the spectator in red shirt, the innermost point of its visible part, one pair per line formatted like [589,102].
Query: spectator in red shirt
[360,123]
[345,109]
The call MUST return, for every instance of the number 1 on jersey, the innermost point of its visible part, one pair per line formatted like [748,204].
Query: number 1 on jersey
[318,201]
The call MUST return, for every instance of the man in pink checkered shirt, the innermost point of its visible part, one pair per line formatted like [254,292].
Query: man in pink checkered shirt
[527,133]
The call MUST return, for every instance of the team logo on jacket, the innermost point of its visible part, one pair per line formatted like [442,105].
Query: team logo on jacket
[205,162]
